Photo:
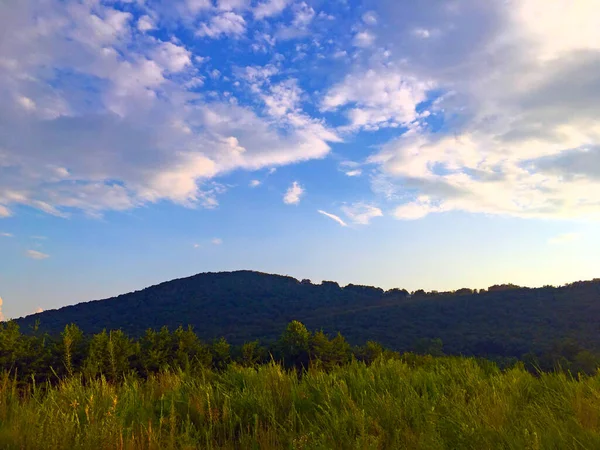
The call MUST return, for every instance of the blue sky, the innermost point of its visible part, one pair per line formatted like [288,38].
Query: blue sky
[427,144]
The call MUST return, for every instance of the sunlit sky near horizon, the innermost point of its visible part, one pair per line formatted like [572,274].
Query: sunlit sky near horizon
[414,144]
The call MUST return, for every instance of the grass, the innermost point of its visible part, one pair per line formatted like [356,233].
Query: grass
[423,403]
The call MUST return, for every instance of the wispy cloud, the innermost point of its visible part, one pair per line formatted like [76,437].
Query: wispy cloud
[34,254]
[293,194]
[216,241]
[270,8]
[333,217]
[254,183]
[564,238]
[361,213]
[6,234]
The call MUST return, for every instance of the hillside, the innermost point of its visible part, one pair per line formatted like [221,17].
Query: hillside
[244,305]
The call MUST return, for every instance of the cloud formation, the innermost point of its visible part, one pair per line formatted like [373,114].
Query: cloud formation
[483,107]
[34,254]
[333,217]
[514,90]
[293,194]
[361,213]
[128,125]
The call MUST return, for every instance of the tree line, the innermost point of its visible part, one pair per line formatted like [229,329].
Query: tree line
[40,357]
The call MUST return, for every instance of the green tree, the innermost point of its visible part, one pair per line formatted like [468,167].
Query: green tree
[294,345]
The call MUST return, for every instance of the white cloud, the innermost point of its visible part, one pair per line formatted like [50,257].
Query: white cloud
[174,58]
[416,209]
[354,173]
[195,6]
[293,194]
[270,8]
[423,33]
[564,238]
[518,102]
[361,213]
[230,5]
[216,241]
[34,254]
[6,234]
[333,217]
[26,103]
[325,16]
[225,24]
[380,98]
[254,183]
[370,18]
[363,39]
[141,134]
[303,16]
[145,23]
[197,246]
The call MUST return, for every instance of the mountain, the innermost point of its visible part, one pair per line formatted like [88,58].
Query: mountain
[504,320]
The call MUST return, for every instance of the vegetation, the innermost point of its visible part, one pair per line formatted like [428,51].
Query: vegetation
[169,390]
[503,322]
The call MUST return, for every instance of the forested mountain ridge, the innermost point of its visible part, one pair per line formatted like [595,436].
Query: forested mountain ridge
[504,320]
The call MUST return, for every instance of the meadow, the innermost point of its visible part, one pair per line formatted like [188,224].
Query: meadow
[413,402]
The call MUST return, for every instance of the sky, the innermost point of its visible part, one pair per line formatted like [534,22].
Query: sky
[428,144]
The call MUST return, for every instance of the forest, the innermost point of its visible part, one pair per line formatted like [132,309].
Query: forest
[502,322]
[306,390]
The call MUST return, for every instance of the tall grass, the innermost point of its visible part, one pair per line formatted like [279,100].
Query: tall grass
[426,403]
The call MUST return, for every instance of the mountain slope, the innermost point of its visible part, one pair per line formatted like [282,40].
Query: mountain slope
[244,305]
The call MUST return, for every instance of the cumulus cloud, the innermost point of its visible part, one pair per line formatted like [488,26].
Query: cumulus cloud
[303,16]
[514,86]
[363,39]
[127,127]
[195,6]
[34,254]
[173,58]
[564,238]
[270,8]
[145,23]
[4,211]
[333,217]
[230,5]
[226,24]
[378,98]
[361,213]
[370,18]
[293,194]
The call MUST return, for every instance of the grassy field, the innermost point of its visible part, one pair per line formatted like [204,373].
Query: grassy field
[426,403]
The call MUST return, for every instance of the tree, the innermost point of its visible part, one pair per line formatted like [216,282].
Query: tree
[294,345]
[252,354]
[72,349]
[221,353]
